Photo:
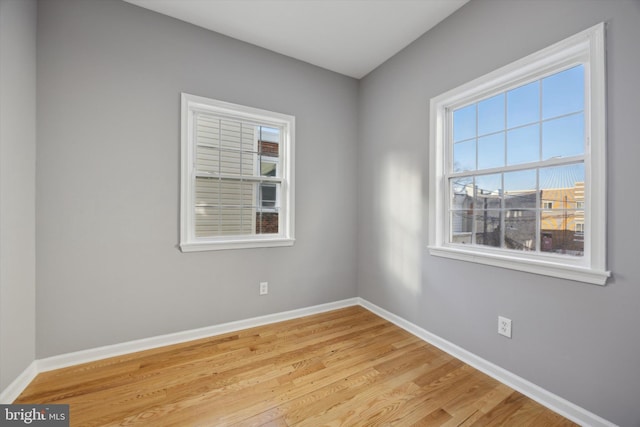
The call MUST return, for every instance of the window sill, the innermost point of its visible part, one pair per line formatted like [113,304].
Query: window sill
[235,244]
[542,267]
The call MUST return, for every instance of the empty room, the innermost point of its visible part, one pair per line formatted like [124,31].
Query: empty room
[319,212]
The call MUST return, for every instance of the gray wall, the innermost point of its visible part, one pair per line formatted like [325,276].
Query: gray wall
[579,341]
[109,270]
[17,187]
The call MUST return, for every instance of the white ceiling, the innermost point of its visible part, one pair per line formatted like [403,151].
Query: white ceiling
[351,37]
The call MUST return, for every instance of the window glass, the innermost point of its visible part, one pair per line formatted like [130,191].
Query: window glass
[563,93]
[464,156]
[464,123]
[563,137]
[523,105]
[523,145]
[491,115]
[491,151]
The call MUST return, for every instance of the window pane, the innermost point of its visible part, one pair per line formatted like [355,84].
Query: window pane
[520,190]
[212,194]
[207,221]
[561,193]
[523,145]
[207,191]
[464,123]
[563,93]
[207,159]
[268,134]
[523,105]
[488,227]
[237,193]
[237,220]
[267,222]
[462,206]
[236,136]
[268,195]
[461,227]
[489,191]
[214,221]
[491,115]
[268,141]
[208,130]
[237,163]
[462,193]
[464,156]
[268,168]
[562,232]
[563,137]
[562,187]
[520,230]
[226,147]
[491,151]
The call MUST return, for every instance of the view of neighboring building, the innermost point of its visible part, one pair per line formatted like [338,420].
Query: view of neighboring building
[558,212]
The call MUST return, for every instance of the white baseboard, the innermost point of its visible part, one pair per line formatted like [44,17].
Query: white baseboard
[556,403]
[14,389]
[91,355]
[540,395]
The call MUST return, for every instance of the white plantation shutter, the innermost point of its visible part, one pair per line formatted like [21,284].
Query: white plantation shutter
[230,155]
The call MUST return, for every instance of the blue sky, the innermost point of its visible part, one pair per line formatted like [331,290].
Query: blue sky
[538,121]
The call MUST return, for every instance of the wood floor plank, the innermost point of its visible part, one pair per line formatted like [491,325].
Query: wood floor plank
[435,418]
[344,367]
[300,394]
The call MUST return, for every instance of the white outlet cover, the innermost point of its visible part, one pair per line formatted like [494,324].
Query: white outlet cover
[264,288]
[504,326]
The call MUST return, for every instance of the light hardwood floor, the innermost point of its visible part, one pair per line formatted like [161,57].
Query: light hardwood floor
[345,367]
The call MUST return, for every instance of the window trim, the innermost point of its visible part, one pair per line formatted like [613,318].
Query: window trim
[585,47]
[188,241]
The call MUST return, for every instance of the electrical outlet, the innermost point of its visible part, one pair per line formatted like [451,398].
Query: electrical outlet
[504,326]
[264,288]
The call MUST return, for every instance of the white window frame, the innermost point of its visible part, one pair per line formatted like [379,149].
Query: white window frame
[190,105]
[587,48]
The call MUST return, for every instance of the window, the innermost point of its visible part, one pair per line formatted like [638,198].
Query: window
[237,176]
[517,164]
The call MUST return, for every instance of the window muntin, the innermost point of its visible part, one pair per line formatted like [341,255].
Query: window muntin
[236,176]
[517,164]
